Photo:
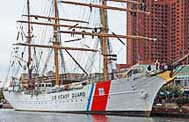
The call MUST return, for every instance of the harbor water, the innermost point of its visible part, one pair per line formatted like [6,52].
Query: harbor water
[20,116]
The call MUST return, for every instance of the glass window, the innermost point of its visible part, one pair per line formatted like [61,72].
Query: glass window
[177,82]
[185,83]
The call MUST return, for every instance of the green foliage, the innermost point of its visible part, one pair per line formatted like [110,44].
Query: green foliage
[182,101]
[1,95]
[170,91]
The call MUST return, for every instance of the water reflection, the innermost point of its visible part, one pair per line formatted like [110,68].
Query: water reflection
[15,116]
[100,118]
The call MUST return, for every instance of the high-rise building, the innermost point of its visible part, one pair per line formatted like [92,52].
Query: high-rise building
[168,23]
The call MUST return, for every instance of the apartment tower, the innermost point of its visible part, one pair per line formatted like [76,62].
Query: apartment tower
[168,23]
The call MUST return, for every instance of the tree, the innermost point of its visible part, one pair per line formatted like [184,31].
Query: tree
[169,93]
[182,101]
[1,95]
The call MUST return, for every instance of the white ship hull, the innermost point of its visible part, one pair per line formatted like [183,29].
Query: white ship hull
[111,97]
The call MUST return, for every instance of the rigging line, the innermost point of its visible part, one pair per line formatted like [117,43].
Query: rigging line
[44,30]
[76,62]
[87,17]
[155,17]
[37,61]
[84,59]
[160,22]
[40,11]
[83,13]
[82,17]
[91,59]
[8,72]
[35,64]
[10,63]
[12,60]
[22,31]
[15,69]
[24,9]
[95,13]
[47,61]
[47,10]
[110,50]
[76,53]
[90,13]
[45,7]
[80,12]
[117,36]
[61,52]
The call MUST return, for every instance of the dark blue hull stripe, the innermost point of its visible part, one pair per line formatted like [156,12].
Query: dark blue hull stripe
[90,97]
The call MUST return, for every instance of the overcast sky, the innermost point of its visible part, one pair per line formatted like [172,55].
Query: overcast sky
[10,12]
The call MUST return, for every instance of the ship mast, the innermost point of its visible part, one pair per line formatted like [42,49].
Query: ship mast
[56,43]
[104,29]
[29,40]
[103,34]
[103,17]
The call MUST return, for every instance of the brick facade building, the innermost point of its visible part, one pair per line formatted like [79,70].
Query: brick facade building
[168,23]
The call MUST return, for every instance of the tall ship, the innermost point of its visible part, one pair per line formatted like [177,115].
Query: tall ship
[62,64]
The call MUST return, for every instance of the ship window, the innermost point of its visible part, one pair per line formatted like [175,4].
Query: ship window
[177,82]
[50,85]
[134,71]
[36,85]
[185,83]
